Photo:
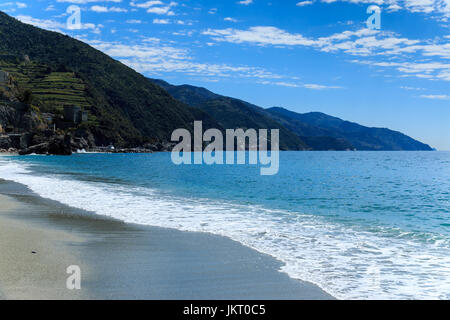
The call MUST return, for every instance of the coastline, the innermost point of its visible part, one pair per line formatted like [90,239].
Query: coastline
[125,261]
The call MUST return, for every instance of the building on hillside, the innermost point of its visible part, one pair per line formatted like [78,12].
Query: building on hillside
[84,116]
[4,76]
[75,115]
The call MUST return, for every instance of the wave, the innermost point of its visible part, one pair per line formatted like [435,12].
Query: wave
[346,261]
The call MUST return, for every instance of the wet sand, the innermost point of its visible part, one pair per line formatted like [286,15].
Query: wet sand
[124,261]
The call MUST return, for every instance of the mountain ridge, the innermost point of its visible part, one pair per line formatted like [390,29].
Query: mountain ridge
[126,109]
[316,130]
[232,113]
[361,137]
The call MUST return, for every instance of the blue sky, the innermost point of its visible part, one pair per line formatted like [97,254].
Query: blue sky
[310,55]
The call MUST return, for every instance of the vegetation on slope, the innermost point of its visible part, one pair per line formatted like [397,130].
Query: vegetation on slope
[314,131]
[130,109]
[233,113]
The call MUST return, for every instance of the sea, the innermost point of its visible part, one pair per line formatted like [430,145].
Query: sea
[360,225]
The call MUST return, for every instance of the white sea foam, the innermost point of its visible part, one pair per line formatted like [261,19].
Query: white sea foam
[347,262]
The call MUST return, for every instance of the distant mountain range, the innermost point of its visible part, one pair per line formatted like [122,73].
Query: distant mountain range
[315,125]
[46,71]
[309,131]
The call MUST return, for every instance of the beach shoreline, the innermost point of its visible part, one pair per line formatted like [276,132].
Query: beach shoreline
[125,261]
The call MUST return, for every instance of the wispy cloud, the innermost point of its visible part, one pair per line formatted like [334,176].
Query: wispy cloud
[87,1]
[362,42]
[12,6]
[320,87]
[423,70]
[437,7]
[245,2]
[107,9]
[53,25]
[436,96]
[411,88]
[156,7]
[153,57]
[311,86]
[134,21]
[161,21]
[304,3]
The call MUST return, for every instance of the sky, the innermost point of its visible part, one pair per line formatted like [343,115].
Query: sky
[309,55]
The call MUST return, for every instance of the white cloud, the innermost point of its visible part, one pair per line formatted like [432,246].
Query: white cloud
[42,23]
[436,96]
[97,8]
[161,21]
[440,7]
[310,86]
[153,57]
[156,7]
[50,8]
[133,21]
[258,35]
[246,2]
[53,25]
[147,4]
[423,70]
[320,87]
[281,84]
[13,6]
[363,42]
[412,88]
[393,8]
[304,3]
[87,1]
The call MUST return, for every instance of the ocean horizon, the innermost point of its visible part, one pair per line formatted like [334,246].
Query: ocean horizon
[360,225]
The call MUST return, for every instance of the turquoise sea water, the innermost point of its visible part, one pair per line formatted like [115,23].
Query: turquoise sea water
[358,224]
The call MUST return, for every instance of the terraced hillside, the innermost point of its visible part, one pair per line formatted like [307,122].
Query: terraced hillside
[52,88]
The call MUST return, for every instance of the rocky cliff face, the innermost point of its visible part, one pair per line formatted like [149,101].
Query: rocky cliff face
[11,110]
[8,87]
[22,129]
[16,117]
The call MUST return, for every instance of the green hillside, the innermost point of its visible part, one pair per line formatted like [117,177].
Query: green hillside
[130,109]
[52,89]
[313,131]
[233,113]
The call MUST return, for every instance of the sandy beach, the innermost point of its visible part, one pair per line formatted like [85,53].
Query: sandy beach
[33,258]
[40,238]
